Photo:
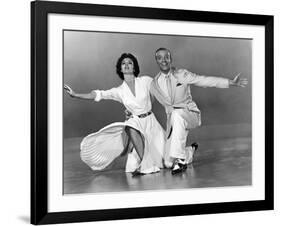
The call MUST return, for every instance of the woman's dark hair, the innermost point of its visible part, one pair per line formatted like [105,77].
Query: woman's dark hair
[119,62]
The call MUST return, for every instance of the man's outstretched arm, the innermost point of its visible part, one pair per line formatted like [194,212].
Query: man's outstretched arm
[187,77]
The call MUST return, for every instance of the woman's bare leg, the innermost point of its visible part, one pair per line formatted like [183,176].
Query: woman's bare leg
[136,138]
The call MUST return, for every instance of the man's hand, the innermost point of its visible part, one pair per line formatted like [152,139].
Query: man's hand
[237,81]
[128,114]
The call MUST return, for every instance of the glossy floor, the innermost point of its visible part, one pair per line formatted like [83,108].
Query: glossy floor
[217,163]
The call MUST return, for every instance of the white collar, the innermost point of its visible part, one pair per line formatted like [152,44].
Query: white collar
[166,75]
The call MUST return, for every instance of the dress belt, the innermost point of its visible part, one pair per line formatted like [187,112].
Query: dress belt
[130,115]
[144,115]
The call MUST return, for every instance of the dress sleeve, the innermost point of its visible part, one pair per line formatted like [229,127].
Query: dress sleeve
[188,77]
[111,94]
[148,81]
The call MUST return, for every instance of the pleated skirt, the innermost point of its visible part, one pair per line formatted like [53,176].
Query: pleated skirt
[99,149]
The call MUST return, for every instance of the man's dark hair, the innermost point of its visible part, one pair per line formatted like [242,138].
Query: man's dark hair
[164,49]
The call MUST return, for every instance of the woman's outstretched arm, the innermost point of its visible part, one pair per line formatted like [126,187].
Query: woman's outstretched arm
[87,96]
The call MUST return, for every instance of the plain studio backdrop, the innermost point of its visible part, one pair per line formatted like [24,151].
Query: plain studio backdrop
[89,63]
[15,112]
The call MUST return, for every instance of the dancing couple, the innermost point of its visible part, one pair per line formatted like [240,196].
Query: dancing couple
[140,136]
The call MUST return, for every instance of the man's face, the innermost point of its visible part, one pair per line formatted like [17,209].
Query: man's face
[164,60]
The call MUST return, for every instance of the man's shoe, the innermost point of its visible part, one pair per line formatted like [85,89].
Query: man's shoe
[178,167]
[195,146]
[183,166]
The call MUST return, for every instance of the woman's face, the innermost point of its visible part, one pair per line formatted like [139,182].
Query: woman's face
[127,66]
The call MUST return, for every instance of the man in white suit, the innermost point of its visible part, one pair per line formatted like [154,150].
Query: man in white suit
[171,87]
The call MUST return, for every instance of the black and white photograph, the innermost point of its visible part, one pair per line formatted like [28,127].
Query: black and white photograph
[146,112]
[138,112]
[149,112]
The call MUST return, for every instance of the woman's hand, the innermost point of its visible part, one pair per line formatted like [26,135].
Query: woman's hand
[128,114]
[237,81]
[84,96]
[69,90]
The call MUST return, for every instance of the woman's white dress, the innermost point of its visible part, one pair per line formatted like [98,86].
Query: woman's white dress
[99,149]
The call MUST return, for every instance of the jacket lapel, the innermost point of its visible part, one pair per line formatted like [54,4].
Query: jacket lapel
[158,87]
[157,91]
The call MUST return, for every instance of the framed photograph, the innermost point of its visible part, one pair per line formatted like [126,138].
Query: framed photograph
[145,112]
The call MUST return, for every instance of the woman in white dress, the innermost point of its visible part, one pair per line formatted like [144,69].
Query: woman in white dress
[141,129]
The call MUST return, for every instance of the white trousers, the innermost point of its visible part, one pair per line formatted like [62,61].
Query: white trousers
[182,121]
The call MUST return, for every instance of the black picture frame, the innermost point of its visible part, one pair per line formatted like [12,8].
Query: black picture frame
[39,112]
